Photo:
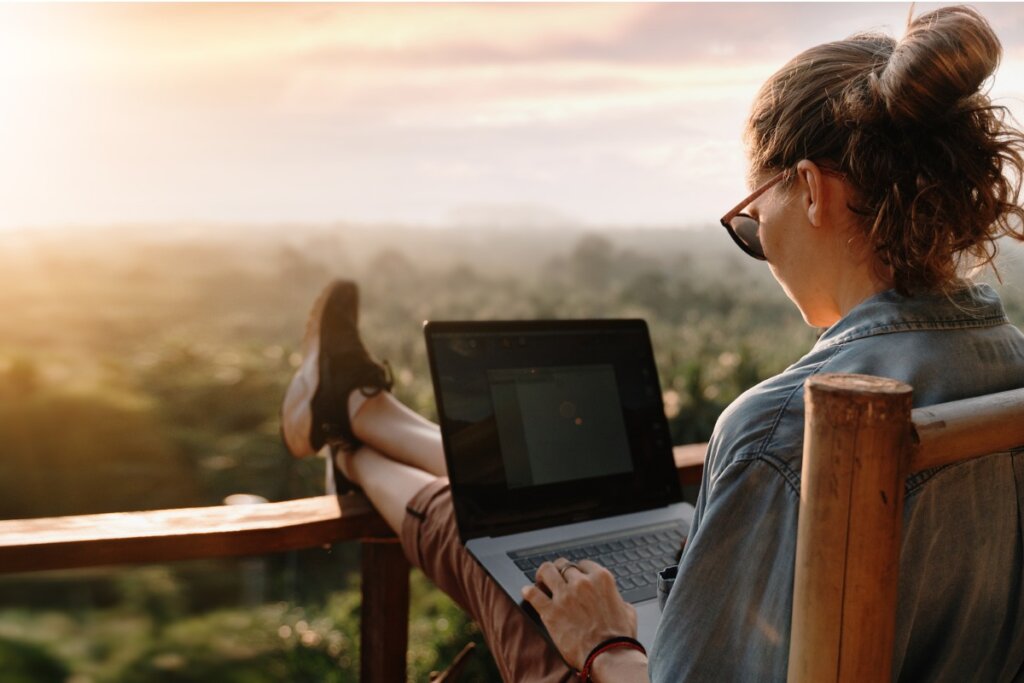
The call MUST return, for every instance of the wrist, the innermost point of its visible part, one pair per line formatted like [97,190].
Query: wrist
[620,664]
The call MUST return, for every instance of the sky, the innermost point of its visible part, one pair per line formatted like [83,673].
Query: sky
[598,115]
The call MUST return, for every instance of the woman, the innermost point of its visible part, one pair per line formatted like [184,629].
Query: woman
[882,175]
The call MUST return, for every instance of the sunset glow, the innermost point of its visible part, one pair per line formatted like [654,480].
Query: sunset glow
[610,114]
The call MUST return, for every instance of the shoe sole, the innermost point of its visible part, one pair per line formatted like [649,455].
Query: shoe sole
[297,407]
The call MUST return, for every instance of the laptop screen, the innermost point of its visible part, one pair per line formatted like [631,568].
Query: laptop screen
[559,424]
[546,422]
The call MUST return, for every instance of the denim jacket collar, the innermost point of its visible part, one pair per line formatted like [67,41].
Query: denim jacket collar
[974,305]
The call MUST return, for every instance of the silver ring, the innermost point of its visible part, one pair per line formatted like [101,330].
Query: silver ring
[566,567]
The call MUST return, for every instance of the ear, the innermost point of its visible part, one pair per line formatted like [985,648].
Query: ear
[815,195]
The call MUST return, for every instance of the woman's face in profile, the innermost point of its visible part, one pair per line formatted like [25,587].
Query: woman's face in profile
[791,247]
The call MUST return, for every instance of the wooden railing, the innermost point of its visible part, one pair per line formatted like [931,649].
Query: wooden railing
[30,545]
[230,530]
[861,434]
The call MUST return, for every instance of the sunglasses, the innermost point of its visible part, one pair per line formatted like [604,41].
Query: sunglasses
[744,228]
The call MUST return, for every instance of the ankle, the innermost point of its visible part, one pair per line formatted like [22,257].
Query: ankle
[356,399]
[343,461]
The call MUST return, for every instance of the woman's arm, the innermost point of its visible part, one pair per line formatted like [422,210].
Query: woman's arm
[581,607]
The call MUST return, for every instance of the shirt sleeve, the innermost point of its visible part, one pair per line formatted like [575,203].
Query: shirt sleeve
[727,617]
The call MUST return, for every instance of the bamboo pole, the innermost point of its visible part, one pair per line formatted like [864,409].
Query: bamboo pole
[959,430]
[856,441]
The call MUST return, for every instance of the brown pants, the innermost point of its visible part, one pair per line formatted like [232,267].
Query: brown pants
[430,539]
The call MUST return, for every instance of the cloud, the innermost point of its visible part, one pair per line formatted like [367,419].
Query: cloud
[606,112]
[670,34]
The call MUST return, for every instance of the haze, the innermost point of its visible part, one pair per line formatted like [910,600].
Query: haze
[594,115]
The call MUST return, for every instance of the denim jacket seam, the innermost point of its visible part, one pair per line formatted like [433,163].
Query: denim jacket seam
[763,446]
[789,477]
[915,483]
[916,326]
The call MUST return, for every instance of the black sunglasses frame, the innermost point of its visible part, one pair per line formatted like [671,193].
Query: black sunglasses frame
[737,212]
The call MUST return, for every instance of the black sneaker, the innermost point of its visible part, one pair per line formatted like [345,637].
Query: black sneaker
[334,363]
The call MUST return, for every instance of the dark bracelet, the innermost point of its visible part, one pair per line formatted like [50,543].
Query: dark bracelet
[604,646]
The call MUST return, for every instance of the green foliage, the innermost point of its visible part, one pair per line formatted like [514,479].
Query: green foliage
[23,662]
[72,453]
[150,376]
[146,638]
[219,410]
[267,644]
[153,591]
[438,630]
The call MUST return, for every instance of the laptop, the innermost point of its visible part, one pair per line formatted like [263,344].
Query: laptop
[557,445]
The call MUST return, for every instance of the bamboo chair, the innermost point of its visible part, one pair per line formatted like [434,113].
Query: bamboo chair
[862,437]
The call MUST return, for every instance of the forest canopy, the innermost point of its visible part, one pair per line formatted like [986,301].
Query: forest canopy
[144,369]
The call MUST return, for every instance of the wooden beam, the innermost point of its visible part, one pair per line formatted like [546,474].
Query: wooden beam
[385,613]
[856,442]
[220,531]
[959,430]
[183,534]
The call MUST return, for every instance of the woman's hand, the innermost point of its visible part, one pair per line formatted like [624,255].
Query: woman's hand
[580,607]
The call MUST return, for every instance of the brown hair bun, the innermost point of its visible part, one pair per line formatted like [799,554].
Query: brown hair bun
[936,168]
[944,58]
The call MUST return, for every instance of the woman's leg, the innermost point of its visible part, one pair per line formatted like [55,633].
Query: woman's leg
[392,429]
[418,506]
[389,484]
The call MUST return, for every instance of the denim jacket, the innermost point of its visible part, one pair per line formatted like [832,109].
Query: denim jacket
[960,614]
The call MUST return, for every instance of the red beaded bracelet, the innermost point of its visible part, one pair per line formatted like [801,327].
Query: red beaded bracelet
[604,646]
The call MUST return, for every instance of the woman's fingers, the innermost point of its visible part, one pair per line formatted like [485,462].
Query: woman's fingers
[554,575]
[548,576]
[597,573]
[540,600]
[580,606]
[570,571]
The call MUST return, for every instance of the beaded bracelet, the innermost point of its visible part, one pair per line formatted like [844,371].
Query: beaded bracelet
[604,646]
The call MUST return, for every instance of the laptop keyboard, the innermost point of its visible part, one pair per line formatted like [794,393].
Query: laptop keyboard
[634,558]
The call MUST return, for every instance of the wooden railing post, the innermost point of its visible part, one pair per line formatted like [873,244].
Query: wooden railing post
[385,612]
[856,447]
